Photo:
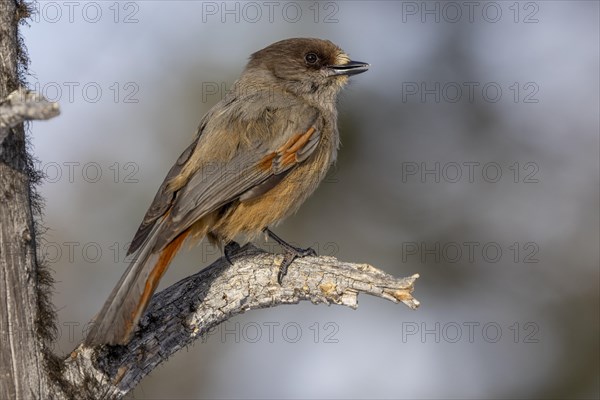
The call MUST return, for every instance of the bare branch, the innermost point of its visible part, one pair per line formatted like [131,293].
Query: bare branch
[24,105]
[190,308]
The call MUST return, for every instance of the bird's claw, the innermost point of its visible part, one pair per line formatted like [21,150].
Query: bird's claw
[230,249]
[289,255]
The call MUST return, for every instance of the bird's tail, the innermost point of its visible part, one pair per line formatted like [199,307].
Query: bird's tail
[122,311]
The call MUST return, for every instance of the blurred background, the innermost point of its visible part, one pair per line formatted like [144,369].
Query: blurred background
[469,155]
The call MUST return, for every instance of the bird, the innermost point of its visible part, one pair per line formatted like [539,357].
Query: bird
[257,155]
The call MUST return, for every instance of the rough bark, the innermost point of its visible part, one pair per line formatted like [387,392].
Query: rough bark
[23,372]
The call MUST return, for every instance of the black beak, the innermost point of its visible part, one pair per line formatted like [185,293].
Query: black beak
[351,68]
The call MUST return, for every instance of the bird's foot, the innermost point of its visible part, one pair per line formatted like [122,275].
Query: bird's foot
[290,253]
[230,249]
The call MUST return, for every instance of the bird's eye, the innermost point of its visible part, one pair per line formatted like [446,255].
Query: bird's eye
[311,58]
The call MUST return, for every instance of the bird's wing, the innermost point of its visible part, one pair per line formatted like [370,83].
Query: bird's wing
[251,171]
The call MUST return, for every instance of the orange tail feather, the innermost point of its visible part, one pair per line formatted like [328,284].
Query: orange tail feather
[165,258]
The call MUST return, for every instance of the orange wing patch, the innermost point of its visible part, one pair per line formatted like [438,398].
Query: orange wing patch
[287,152]
[301,141]
[266,163]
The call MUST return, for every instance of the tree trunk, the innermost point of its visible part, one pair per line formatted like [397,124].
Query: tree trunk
[22,363]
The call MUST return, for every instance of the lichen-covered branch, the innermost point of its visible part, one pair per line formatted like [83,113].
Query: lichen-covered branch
[188,309]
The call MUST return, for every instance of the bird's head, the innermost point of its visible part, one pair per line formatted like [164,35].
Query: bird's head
[304,66]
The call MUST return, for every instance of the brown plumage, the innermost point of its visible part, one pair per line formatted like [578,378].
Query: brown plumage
[257,155]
